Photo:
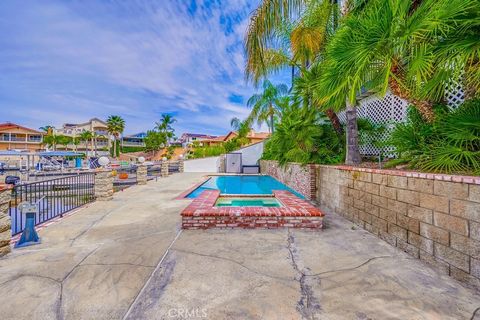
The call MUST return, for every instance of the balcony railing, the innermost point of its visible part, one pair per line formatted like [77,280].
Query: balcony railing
[133,144]
[20,139]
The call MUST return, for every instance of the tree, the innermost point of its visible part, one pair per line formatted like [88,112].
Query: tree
[265,105]
[51,140]
[85,137]
[63,140]
[303,91]
[303,136]
[155,140]
[75,141]
[115,126]
[48,129]
[412,48]
[165,126]
[291,41]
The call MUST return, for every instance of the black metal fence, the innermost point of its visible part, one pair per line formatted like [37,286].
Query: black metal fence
[53,198]
[124,177]
[174,167]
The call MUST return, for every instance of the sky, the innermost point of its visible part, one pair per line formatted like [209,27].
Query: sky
[66,61]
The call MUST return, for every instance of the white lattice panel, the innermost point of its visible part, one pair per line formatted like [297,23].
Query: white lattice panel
[388,111]
[454,95]
[392,109]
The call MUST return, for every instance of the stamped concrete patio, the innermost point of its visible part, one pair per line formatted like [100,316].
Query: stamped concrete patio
[127,258]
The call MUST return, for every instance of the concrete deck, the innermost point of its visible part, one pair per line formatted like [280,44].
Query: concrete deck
[127,259]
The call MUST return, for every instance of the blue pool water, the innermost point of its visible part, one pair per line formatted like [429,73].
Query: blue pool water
[242,185]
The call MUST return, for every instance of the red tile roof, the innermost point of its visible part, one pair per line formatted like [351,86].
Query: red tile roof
[9,125]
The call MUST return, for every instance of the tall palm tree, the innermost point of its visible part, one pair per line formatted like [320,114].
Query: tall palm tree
[86,137]
[165,126]
[115,126]
[48,128]
[75,141]
[291,42]
[266,105]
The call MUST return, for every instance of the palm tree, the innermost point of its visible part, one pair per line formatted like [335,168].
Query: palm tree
[64,141]
[47,128]
[266,105]
[75,142]
[165,126]
[291,43]
[85,137]
[401,46]
[241,127]
[115,126]
[52,140]
[303,91]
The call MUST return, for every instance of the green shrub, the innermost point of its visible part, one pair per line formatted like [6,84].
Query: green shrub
[450,144]
[128,149]
[203,152]
[302,136]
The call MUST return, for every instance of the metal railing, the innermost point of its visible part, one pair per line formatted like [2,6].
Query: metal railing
[173,167]
[53,197]
[125,177]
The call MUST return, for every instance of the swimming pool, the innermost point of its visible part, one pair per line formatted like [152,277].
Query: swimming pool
[249,185]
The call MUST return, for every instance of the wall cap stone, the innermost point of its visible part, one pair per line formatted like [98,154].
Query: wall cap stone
[409,174]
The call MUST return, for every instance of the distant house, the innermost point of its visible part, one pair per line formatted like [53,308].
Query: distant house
[252,136]
[134,140]
[187,139]
[14,136]
[99,144]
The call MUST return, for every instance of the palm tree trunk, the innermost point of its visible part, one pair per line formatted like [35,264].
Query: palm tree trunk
[335,121]
[424,107]
[95,145]
[271,122]
[114,147]
[353,153]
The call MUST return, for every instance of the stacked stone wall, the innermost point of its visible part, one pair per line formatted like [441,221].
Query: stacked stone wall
[301,178]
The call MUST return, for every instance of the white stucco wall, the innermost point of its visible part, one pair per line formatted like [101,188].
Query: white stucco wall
[252,153]
[202,165]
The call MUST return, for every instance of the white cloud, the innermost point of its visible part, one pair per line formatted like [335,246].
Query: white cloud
[116,51]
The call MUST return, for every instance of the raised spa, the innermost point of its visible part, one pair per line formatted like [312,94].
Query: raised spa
[247,202]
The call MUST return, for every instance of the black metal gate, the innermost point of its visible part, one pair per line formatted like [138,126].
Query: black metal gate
[233,162]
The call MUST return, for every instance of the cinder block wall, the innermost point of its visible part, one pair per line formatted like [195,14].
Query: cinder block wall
[435,218]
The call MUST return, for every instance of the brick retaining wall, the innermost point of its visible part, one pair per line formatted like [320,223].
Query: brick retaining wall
[433,217]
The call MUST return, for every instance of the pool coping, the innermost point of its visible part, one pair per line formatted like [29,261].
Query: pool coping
[184,194]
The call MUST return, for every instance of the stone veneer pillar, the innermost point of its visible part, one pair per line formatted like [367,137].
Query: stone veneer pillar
[104,185]
[5,223]
[164,169]
[141,174]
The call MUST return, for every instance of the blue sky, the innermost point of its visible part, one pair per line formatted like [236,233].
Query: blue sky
[68,61]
